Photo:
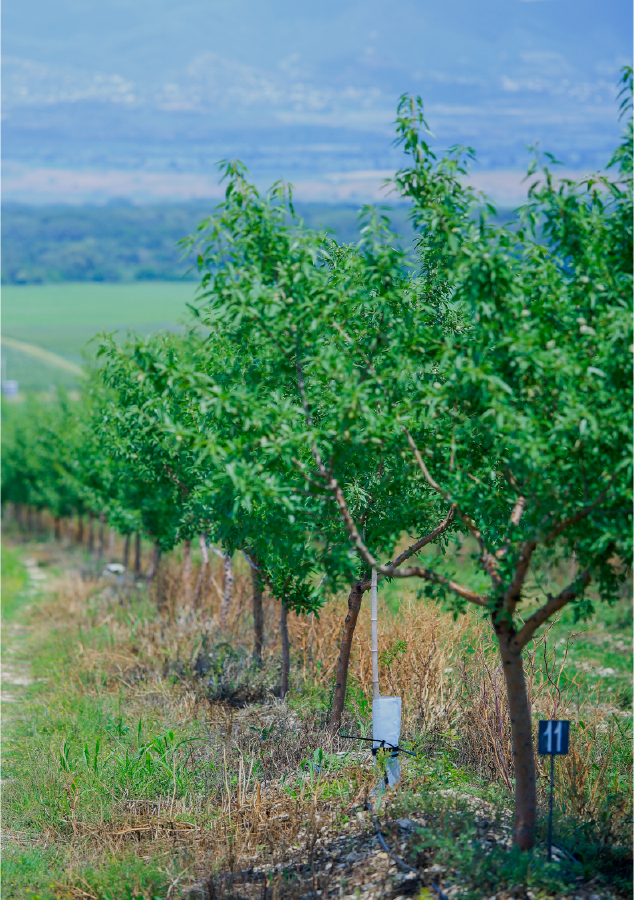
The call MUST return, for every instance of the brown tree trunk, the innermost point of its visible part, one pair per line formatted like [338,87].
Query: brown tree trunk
[80,529]
[258,613]
[187,571]
[137,555]
[102,525]
[111,539]
[228,588]
[202,541]
[522,742]
[91,532]
[154,563]
[56,527]
[286,651]
[29,518]
[126,551]
[354,605]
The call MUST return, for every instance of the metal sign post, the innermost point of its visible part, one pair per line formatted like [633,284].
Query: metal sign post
[552,741]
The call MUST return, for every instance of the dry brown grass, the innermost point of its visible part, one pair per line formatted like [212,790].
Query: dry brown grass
[260,804]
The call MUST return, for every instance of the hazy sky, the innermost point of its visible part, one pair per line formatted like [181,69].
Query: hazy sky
[158,38]
[165,85]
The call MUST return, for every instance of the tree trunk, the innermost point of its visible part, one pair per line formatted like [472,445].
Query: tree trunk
[29,518]
[228,588]
[354,605]
[91,532]
[38,521]
[522,742]
[286,651]
[56,526]
[202,541]
[154,563]
[137,555]
[111,539]
[187,571]
[258,613]
[102,525]
[126,551]
[79,534]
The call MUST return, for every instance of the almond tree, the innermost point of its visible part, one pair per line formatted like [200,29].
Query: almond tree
[164,431]
[305,330]
[147,485]
[40,443]
[527,429]
[490,393]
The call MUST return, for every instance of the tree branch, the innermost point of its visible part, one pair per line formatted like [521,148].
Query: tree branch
[513,591]
[487,559]
[307,477]
[391,570]
[518,509]
[422,542]
[581,514]
[552,605]
[516,515]
[435,578]
[365,514]
[452,455]
[416,546]
[302,390]
[250,561]
[186,491]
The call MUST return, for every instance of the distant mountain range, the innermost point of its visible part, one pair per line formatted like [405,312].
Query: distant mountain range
[297,90]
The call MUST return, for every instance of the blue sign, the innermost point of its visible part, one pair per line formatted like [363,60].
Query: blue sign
[553,738]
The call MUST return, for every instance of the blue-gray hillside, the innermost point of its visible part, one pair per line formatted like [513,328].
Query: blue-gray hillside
[304,88]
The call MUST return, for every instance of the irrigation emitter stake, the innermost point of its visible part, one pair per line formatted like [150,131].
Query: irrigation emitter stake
[375,636]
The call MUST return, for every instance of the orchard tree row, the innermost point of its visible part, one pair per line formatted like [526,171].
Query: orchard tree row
[329,400]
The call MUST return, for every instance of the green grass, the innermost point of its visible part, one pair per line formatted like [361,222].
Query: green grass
[83,743]
[63,318]
[49,761]
[600,648]
[13,583]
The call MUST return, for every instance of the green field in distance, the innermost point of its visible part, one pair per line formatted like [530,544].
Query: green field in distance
[62,318]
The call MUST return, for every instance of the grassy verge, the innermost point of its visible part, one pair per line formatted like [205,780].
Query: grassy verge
[147,754]
[67,758]
[14,581]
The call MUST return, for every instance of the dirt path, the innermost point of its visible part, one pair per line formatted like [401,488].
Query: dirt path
[15,669]
[15,677]
[45,356]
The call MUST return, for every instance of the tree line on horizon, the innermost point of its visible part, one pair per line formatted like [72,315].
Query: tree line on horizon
[121,242]
[330,398]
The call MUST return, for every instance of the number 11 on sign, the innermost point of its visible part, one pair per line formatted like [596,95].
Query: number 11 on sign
[555,731]
[552,741]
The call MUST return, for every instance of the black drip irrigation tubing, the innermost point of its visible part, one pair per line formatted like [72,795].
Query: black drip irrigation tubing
[397,859]
[385,745]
